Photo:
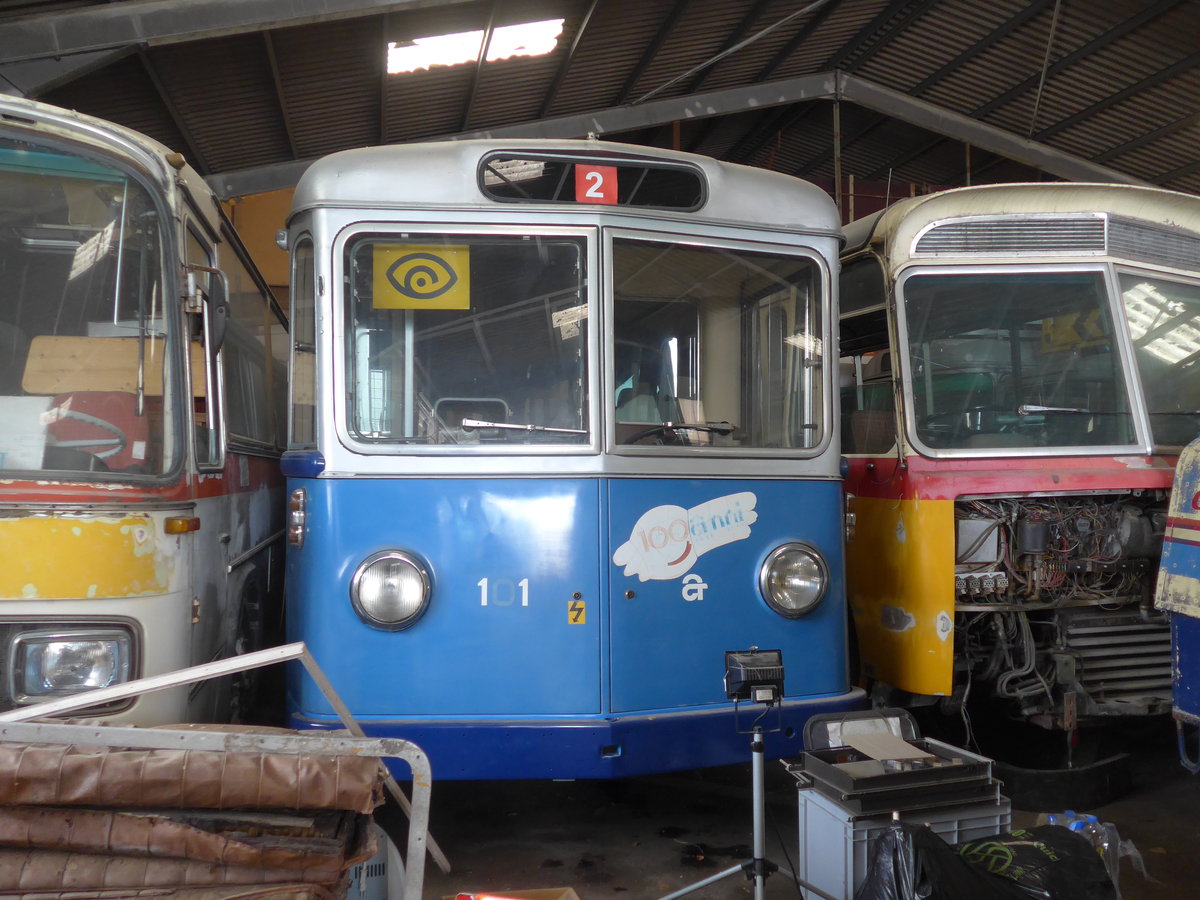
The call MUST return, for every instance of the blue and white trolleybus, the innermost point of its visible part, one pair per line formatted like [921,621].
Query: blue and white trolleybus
[561,435]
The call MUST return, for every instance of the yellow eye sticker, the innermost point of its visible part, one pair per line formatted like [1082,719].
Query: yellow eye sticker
[416,276]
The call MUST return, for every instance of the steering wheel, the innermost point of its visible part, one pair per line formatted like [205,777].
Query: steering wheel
[119,441]
[672,430]
[667,434]
[942,420]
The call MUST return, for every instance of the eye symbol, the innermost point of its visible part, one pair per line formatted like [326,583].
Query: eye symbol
[421,276]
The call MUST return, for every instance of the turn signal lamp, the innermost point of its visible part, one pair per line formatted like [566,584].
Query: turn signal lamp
[297,514]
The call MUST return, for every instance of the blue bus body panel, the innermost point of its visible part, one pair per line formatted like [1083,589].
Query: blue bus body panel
[1185,658]
[577,626]
[515,655]
[700,546]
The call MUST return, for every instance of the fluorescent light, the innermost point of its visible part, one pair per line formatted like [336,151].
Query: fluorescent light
[525,39]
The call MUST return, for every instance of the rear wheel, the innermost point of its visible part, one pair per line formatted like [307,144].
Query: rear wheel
[245,699]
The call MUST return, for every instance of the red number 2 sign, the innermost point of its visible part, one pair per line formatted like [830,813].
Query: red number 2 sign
[595,184]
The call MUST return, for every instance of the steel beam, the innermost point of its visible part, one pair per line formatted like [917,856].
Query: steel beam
[153,22]
[565,64]
[821,86]
[1124,27]
[652,49]
[607,121]
[36,77]
[982,136]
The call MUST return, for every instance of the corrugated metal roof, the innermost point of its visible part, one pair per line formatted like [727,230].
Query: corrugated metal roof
[1111,81]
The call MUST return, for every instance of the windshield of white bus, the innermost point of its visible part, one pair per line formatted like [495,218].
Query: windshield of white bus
[1164,321]
[84,346]
[1014,360]
[466,341]
[716,347]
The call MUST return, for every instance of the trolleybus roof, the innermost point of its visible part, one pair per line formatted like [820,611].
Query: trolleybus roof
[445,174]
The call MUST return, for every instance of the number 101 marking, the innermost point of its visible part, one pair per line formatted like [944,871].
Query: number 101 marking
[502,592]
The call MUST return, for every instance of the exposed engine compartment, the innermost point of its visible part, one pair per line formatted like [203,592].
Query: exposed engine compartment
[1054,605]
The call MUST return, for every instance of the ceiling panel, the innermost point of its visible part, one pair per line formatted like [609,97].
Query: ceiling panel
[1111,82]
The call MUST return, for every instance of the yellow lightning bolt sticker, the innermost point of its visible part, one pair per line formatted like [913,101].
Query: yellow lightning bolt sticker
[577,613]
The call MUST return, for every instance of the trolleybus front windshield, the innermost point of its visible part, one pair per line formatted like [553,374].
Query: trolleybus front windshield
[1164,321]
[1014,359]
[467,340]
[84,346]
[716,347]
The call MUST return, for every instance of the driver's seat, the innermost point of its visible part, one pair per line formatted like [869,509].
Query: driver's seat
[638,405]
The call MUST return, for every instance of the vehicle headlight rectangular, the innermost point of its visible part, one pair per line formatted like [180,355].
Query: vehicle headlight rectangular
[48,664]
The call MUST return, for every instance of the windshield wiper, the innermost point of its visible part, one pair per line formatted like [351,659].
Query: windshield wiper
[470,424]
[1029,409]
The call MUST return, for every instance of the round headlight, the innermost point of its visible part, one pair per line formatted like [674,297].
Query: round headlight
[390,590]
[793,579]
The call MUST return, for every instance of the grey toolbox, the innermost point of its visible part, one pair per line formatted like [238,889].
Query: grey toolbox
[847,799]
[866,786]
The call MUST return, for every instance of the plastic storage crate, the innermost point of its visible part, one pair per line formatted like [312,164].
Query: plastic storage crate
[835,845]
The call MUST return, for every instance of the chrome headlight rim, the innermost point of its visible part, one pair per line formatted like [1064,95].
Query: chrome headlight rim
[766,586]
[416,563]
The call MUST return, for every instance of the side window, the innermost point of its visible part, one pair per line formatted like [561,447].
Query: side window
[868,395]
[253,380]
[206,383]
[304,347]
[868,403]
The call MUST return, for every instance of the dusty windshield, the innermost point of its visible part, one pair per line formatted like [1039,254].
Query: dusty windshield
[83,335]
[461,342]
[716,347]
[1164,321]
[1014,359]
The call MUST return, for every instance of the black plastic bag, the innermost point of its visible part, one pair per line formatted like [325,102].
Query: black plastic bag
[910,862]
[1048,861]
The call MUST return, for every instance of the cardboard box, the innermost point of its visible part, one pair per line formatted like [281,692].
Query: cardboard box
[539,894]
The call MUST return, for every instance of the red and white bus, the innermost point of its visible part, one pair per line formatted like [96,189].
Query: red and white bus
[1022,367]
[141,389]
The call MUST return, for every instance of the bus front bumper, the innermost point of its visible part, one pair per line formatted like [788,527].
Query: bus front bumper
[611,746]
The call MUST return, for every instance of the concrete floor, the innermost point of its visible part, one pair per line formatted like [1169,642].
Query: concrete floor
[648,837]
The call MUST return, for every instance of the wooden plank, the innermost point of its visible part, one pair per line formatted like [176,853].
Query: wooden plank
[59,364]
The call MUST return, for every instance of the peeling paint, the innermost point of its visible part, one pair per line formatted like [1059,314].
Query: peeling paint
[1138,462]
[893,618]
[945,626]
[52,557]
[900,535]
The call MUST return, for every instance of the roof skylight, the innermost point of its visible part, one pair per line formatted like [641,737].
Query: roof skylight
[524,39]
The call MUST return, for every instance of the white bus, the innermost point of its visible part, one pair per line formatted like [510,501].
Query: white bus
[141,398]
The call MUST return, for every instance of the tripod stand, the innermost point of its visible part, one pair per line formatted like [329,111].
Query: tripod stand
[758,867]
